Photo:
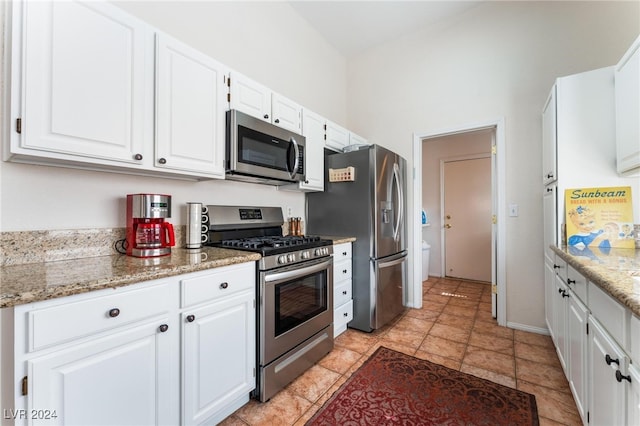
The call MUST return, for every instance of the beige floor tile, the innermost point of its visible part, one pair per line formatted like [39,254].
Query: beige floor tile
[424,314]
[340,359]
[406,337]
[283,409]
[443,347]
[541,374]
[493,343]
[493,329]
[489,360]
[541,354]
[355,341]
[232,420]
[415,324]
[460,311]
[556,406]
[314,382]
[455,301]
[451,333]
[438,298]
[489,375]
[533,338]
[432,305]
[329,393]
[455,320]
[438,359]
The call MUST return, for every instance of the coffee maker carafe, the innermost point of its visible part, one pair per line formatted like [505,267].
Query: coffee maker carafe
[148,235]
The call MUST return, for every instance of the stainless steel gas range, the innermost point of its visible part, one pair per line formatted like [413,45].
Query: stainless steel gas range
[294,289]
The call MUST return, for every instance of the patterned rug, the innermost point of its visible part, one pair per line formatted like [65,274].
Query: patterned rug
[392,388]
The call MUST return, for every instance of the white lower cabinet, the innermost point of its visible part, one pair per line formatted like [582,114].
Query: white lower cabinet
[342,288]
[98,358]
[577,339]
[218,346]
[121,357]
[123,378]
[607,399]
[633,398]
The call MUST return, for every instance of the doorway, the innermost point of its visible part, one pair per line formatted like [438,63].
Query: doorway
[495,131]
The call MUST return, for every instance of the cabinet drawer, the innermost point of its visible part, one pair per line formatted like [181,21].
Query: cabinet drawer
[341,252]
[578,283]
[342,270]
[68,321]
[206,286]
[342,293]
[561,268]
[343,314]
[612,315]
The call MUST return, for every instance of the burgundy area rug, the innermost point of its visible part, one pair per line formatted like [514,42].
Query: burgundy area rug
[392,388]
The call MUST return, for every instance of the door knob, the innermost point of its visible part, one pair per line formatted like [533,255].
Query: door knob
[448,216]
[448,226]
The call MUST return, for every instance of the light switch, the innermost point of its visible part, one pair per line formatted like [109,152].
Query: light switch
[513,210]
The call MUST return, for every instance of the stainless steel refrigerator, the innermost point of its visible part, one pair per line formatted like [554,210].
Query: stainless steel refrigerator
[372,208]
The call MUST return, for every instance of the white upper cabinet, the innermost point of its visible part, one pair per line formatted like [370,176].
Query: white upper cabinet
[627,82]
[190,109]
[82,83]
[260,102]
[286,113]
[357,140]
[549,139]
[249,96]
[337,137]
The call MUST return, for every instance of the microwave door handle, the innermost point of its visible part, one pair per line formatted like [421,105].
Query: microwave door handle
[296,151]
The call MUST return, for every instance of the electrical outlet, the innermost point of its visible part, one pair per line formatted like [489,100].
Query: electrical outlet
[289,211]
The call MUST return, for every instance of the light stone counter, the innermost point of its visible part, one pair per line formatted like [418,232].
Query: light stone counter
[338,239]
[613,270]
[32,282]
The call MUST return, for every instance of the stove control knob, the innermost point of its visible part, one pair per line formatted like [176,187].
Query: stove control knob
[305,255]
[282,259]
[291,257]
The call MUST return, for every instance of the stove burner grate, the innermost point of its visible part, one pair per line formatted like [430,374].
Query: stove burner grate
[257,243]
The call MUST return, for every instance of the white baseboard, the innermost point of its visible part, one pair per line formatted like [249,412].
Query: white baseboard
[524,327]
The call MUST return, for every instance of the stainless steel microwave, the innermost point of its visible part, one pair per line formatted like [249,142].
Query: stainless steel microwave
[260,152]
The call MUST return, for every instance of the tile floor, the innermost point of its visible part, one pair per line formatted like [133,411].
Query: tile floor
[454,328]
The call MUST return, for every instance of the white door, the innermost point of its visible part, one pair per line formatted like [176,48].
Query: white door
[218,356]
[191,96]
[123,379]
[87,81]
[467,219]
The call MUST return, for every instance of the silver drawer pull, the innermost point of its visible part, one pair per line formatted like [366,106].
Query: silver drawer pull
[224,285]
[114,312]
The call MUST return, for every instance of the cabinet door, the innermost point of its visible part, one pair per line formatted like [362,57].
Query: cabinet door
[627,88]
[549,140]
[633,401]
[560,321]
[122,379]
[550,209]
[577,316]
[337,137]
[550,294]
[313,131]
[191,95]
[218,356]
[87,82]
[285,113]
[250,97]
[357,140]
[607,396]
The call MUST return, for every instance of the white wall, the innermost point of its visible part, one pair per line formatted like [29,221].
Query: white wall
[268,42]
[497,60]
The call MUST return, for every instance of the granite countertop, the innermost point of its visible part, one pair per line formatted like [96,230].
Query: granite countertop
[32,282]
[337,239]
[613,270]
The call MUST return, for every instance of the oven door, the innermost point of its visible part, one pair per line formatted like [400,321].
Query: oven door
[263,150]
[296,303]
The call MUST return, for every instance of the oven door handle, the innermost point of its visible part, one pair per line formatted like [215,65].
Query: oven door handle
[283,276]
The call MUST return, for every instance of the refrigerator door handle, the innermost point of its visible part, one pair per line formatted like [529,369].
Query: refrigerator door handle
[394,261]
[396,175]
